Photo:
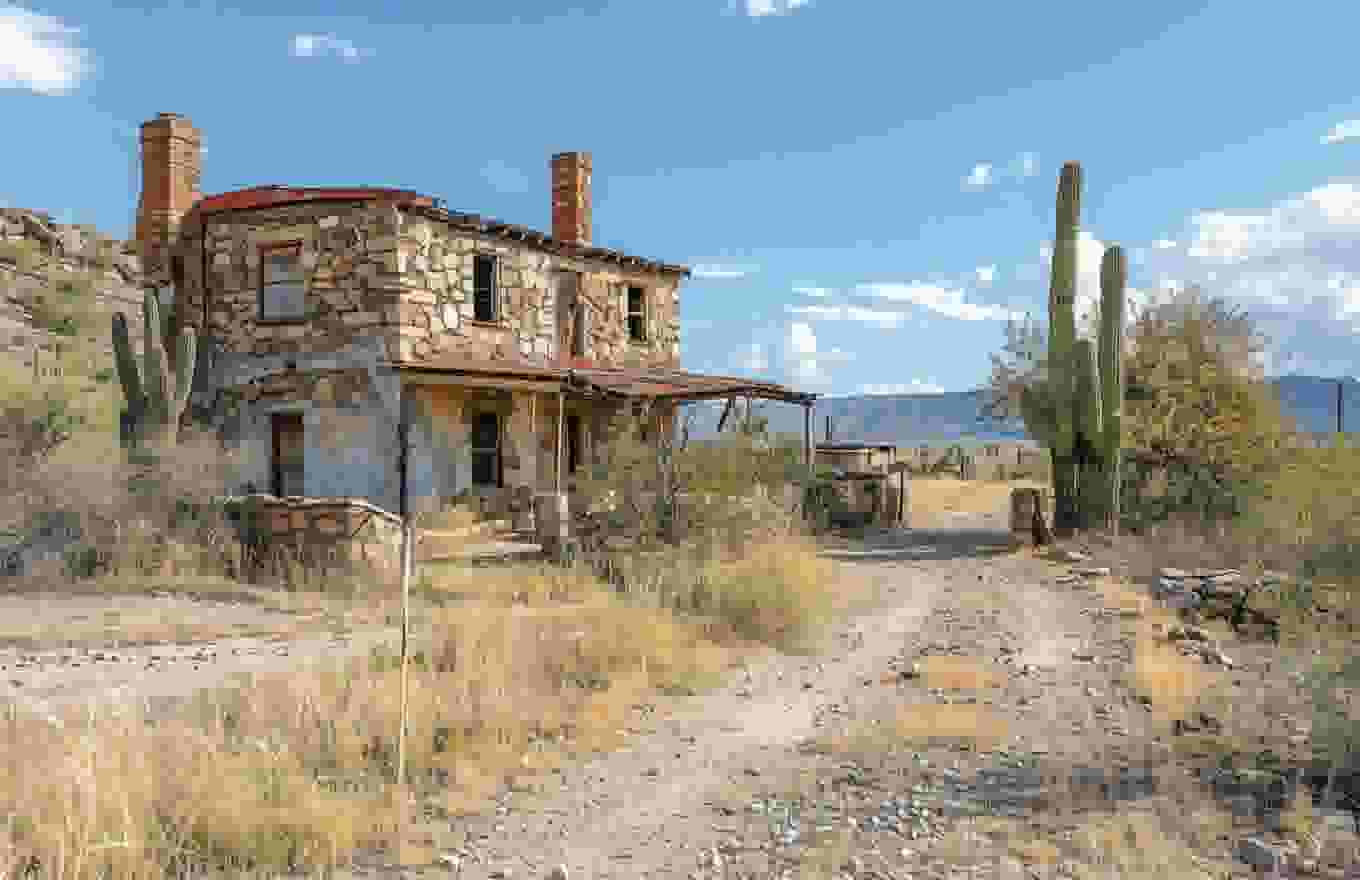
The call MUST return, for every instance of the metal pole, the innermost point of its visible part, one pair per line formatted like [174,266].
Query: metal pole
[1340,388]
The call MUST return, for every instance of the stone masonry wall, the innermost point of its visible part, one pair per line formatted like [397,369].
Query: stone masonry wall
[334,536]
[437,304]
[372,270]
[349,262]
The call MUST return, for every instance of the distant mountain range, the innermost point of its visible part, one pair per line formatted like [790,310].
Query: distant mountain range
[955,416]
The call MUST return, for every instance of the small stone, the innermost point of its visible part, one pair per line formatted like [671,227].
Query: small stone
[558,873]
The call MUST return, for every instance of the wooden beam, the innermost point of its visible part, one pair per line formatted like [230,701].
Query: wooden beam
[461,381]
[727,410]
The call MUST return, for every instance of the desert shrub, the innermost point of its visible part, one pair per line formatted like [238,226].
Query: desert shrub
[25,254]
[65,305]
[663,488]
[1203,430]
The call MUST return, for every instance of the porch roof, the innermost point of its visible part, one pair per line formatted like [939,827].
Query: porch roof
[659,383]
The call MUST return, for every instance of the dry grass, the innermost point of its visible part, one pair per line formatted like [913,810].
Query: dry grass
[1173,682]
[938,502]
[947,723]
[523,668]
[1140,845]
[1173,841]
[959,673]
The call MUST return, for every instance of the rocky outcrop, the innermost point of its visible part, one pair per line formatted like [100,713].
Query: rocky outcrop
[34,250]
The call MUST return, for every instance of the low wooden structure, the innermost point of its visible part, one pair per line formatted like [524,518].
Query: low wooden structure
[869,480]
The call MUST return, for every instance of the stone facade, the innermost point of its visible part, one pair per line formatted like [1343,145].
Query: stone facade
[327,536]
[376,270]
[388,285]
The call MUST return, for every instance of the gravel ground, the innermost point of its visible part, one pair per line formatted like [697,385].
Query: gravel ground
[774,775]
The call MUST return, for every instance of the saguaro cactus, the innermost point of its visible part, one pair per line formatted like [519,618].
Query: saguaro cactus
[157,396]
[1085,378]
[1061,338]
[1113,277]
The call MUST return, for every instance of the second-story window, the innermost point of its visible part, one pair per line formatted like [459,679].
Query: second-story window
[485,297]
[282,293]
[637,314]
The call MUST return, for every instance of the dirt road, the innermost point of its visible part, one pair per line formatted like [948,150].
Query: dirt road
[682,793]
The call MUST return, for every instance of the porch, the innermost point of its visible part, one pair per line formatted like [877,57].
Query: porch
[510,442]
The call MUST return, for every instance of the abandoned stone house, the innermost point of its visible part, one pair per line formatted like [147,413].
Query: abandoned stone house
[332,320]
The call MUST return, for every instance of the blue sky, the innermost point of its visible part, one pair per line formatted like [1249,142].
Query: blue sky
[864,188]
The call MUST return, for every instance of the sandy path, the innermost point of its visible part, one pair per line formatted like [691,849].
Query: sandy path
[44,677]
[649,810]
[645,810]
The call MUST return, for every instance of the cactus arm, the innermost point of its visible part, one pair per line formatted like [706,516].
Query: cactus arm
[186,353]
[1087,393]
[1062,293]
[1113,277]
[126,362]
[156,375]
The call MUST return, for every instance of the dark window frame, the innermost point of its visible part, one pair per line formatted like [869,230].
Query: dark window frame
[480,476]
[489,313]
[636,318]
[293,247]
[277,465]
[574,426]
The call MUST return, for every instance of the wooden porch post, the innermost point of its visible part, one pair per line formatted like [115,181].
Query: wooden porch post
[557,459]
[807,437]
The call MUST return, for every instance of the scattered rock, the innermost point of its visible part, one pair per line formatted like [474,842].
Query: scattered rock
[1094,571]
[1264,856]
[557,873]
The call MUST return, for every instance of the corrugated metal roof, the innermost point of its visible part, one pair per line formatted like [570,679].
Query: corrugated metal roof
[650,382]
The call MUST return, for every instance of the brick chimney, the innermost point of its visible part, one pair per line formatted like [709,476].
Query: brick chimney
[171,164]
[571,197]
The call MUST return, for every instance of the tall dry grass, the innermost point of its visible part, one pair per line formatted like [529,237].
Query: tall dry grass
[521,669]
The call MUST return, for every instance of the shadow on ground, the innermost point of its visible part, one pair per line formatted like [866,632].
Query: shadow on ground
[899,545]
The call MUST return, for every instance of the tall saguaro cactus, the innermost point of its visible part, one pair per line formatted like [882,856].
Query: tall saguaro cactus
[1062,292]
[156,396]
[1085,389]
[1113,277]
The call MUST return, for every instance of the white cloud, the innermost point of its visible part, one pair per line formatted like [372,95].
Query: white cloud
[752,357]
[1294,266]
[805,361]
[315,45]
[947,301]
[915,386]
[1343,132]
[37,53]
[985,174]
[859,314]
[985,274]
[1163,244]
[812,291]
[714,272]
[979,177]
[763,8]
